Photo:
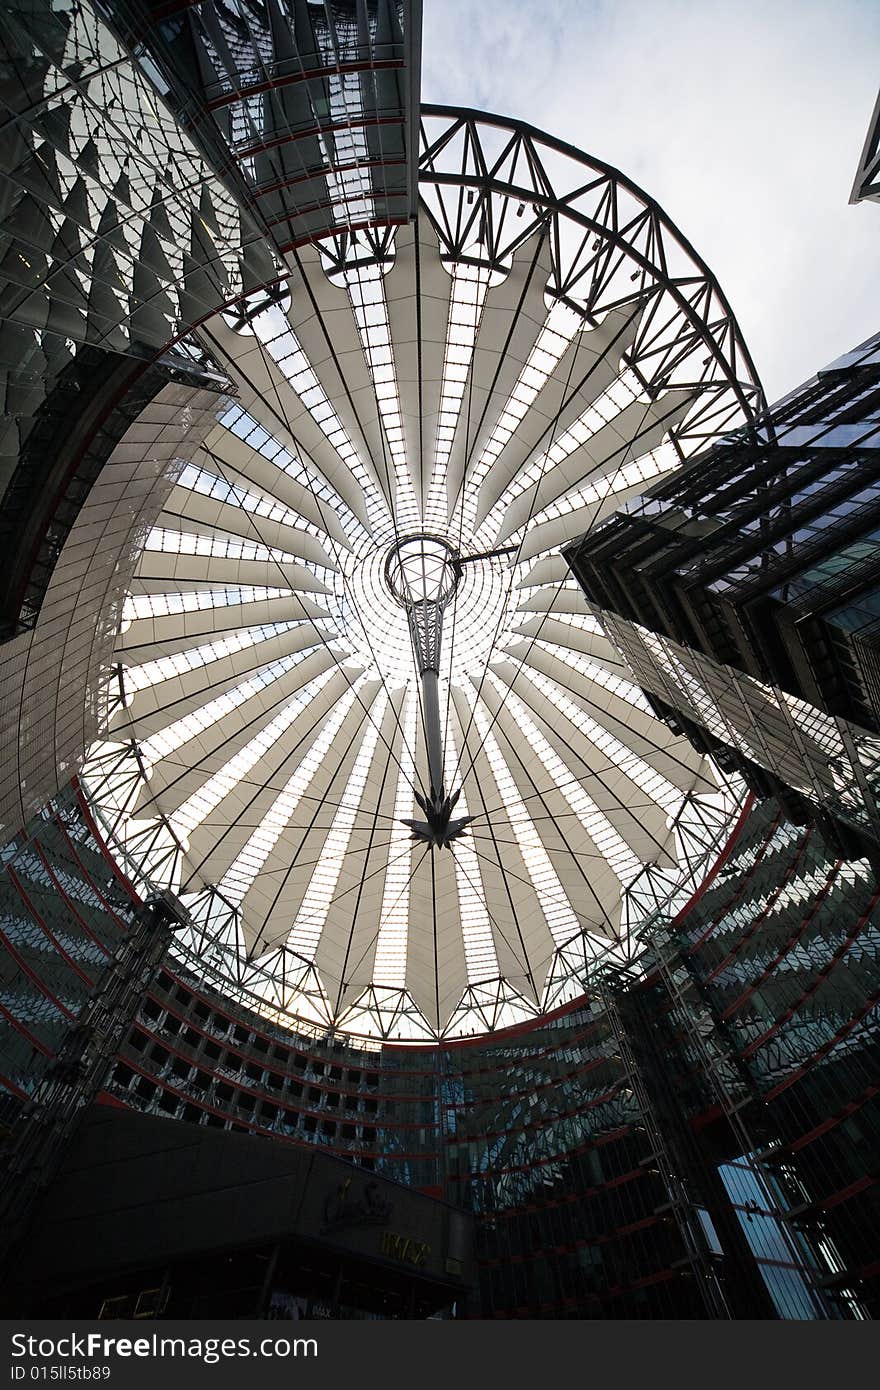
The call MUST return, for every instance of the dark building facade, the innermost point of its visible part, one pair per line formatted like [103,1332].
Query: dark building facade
[696,1137]
[155,1219]
[763,555]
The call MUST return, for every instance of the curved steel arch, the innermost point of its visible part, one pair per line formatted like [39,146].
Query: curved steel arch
[678,313]
[528,140]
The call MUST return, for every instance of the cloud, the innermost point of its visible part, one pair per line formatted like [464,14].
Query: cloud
[744,121]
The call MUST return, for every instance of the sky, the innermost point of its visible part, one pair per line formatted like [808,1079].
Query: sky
[744,120]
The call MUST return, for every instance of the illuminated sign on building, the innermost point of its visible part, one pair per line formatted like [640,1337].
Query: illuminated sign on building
[411,1252]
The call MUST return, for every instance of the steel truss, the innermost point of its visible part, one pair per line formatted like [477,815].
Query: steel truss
[488,185]
[492,181]
[279,983]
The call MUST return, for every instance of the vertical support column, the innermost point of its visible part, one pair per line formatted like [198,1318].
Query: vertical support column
[433,736]
[265,1298]
[684,1206]
[422,573]
[728,1082]
[39,1140]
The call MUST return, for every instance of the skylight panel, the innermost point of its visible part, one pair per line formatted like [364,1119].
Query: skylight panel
[607,407]
[171,542]
[196,479]
[366,291]
[469,287]
[389,967]
[558,332]
[555,907]
[277,337]
[166,667]
[621,477]
[241,873]
[193,600]
[309,924]
[196,809]
[162,744]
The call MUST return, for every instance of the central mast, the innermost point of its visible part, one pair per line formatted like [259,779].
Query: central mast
[423,572]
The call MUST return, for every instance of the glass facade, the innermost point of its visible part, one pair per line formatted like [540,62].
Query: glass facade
[92,151]
[697,1137]
[767,1239]
[743,593]
[784,949]
[63,911]
[310,110]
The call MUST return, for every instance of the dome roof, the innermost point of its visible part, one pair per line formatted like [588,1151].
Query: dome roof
[420,418]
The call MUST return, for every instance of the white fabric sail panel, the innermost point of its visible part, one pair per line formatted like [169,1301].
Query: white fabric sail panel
[270,904]
[436,969]
[151,597]
[629,791]
[509,899]
[550,569]
[589,365]
[574,638]
[241,779]
[346,952]
[196,509]
[556,908]
[591,887]
[674,757]
[234,459]
[638,428]
[420,371]
[160,570]
[556,599]
[520,925]
[513,315]
[417,290]
[275,402]
[161,635]
[621,798]
[323,323]
[559,530]
[623,714]
[315,919]
[637,794]
[175,536]
[152,708]
[436,965]
[232,716]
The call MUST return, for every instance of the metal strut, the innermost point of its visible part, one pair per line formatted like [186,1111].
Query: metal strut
[716,1069]
[682,1206]
[40,1137]
[423,572]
